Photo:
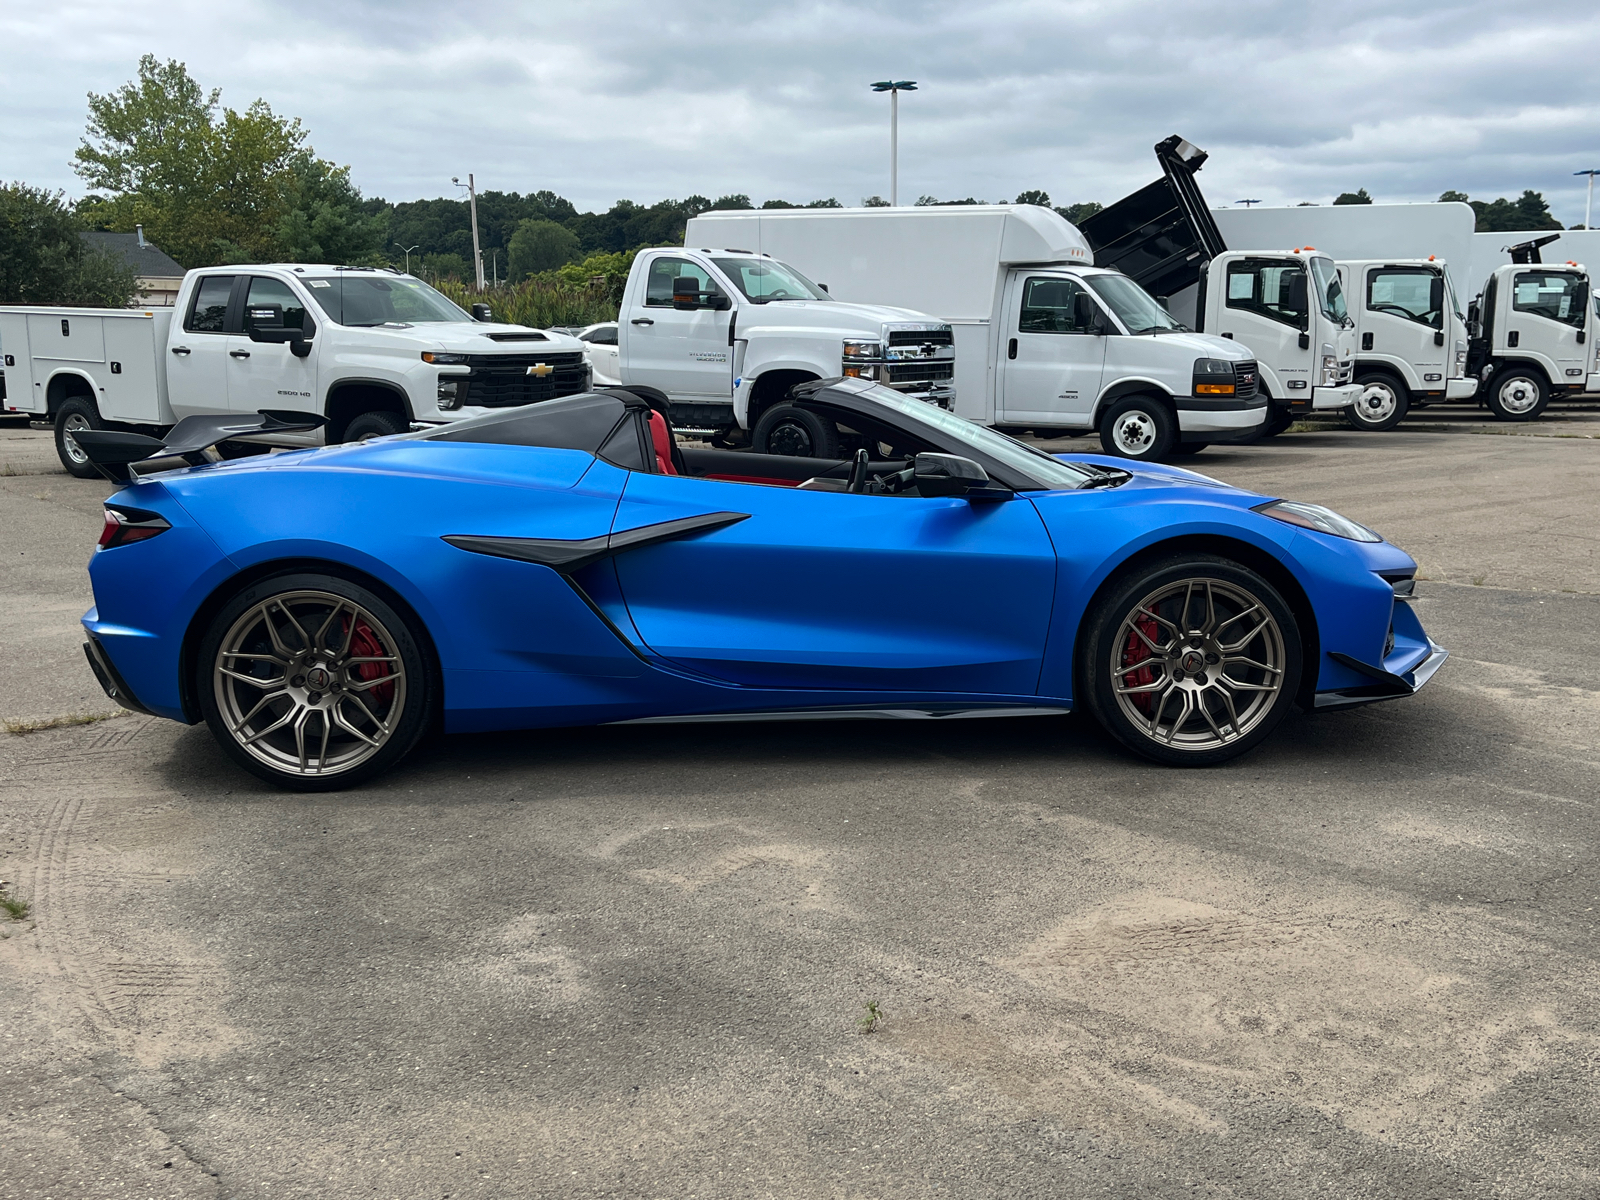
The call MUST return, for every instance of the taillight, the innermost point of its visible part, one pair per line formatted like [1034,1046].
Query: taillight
[124,525]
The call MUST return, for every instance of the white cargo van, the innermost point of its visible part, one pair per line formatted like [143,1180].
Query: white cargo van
[371,350]
[1044,340]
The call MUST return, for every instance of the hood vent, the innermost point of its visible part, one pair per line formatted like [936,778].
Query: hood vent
[516,337]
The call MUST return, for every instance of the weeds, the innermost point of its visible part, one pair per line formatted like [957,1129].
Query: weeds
[15,906]
[35,724]
[869,1023]
[1477,580]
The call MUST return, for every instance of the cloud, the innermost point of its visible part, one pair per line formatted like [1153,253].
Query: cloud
[613,99]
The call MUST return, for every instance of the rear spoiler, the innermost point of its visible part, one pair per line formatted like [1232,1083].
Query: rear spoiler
[1162,235]
[113,453]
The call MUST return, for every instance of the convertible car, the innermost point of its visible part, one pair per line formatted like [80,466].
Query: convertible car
[570,563]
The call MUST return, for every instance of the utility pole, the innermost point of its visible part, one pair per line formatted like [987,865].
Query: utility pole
[894,87]
[477,251]
[407,251]
[1588,205]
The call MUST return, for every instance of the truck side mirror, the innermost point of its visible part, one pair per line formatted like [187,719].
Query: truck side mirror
[264,323]
[719,302]
[482,312]
[1087,316]
[947,474]
[685,292]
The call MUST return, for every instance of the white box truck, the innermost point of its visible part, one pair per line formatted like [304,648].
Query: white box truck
[371,350]
[1044,340]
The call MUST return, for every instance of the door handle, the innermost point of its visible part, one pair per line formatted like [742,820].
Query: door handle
[1011,350]
[180,349]
[238,354]
[643,321]
[1366,341]
[1513,337]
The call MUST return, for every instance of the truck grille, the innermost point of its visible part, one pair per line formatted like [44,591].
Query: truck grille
[1244,380]
[921,337]
[504,380]
[923,372]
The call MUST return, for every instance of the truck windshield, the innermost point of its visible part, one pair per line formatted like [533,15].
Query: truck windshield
[763,279]
[366,300]
[1329,294]
[1135,307]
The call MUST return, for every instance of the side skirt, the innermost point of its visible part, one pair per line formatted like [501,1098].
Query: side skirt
[926,713]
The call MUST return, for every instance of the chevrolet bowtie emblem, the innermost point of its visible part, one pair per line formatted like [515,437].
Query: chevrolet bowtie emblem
[540,369]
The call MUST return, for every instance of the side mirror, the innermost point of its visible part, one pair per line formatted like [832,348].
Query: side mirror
[1087,316]
[947,475]
[719,302]
[685,292]
[482,312]
[264,323]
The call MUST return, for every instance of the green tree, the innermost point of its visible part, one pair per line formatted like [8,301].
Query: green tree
[830,202]
[1359,196]
[737,200]
[326,219]
[1447,197]
[43,260]
[874,202]
[1528,211]
[1076,214]
[778,204]
[541,246]
[1033,196]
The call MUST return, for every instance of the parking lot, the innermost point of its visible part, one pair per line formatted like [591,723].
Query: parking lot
[1359,962]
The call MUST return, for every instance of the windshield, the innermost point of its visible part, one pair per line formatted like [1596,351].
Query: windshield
[1134,306]
[1044,469]
[763,279]
[1329,294]
[360,300]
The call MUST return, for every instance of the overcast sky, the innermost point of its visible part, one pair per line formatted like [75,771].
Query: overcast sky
[599,101]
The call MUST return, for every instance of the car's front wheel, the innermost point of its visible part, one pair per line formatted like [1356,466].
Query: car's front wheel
[1139,427]
[1191,661]
[1383,403]
[313,682]
[1517,394]
[794,431]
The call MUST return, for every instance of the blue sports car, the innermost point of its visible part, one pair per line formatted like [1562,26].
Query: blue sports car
[570,563]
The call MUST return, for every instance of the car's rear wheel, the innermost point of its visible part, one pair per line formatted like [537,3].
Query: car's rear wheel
[1383,403]
[794,431]
[77,414]
[1190,662]
[313,682]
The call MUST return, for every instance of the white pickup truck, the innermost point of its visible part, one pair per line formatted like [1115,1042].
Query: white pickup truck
[372,350]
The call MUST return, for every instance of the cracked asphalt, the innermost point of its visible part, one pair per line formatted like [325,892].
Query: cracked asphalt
[631,961]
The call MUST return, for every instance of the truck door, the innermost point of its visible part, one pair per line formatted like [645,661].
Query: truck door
[1052,365]
[265,374]
[1403,307]
[684,352]
[1265,306]
[197,352]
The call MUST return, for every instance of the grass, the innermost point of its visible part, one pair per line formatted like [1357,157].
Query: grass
[539,303]
[1477,580]
[869,1023]
[35,724]
[15,906]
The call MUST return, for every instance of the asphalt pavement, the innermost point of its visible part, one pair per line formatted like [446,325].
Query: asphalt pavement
[1359,962]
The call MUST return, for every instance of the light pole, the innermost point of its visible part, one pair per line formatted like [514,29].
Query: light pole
[1588,205]
[477,253]
[407,250]
[1247,203]
[894,87]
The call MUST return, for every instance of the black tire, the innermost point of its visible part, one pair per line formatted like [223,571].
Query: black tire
[394,723]
[76,412]
[1517,394]
[1384,402]
[1278,420]
[1192,669]
[373,424]
[791,430]
[1187,448]
[1139,427]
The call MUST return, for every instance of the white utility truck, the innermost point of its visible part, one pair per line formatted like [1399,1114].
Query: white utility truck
[1533,333]
[1043,340]
[371,350]
[1286,305]
[1411,338]
[726,333]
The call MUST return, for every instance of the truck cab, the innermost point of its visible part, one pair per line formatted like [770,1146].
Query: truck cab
[1411,338]
[726,333]
[1532,336]
[1290,309]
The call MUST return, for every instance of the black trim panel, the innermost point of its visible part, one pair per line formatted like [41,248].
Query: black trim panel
[567,556]
[110,679]
[1210,404]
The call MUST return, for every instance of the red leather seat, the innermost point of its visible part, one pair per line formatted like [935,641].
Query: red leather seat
[661,440]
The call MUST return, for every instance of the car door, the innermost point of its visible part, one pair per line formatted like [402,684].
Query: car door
[267,374]
[197,358]
[1266,307]
[834,591]
[684,352]
[1403,308]
[601,351]
[1053,364]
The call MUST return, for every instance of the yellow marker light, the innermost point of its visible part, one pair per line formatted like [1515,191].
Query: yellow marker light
[1214,389]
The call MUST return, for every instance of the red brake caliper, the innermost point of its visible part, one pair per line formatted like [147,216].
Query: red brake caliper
[364,644]
[1136,652]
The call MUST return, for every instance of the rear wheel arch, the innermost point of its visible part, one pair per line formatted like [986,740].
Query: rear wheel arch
[1246,554]
[200,622]
[66,384]
[349,398]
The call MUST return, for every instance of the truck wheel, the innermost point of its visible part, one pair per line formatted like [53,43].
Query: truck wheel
[1278,420]
[374,424]
[77,414]
[1517,394]
[790,430]
[1139,427]
[1190,447]
[1384,401]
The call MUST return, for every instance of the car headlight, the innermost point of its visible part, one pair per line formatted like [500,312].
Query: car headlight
[1314,516]
[854,348]
[438,359]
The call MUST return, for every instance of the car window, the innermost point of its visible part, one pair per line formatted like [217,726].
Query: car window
[1269,287]
[275,291]
[658,284]
[1555,295]
[209,312]
[1411,293]
[1050,306]
[606,335]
